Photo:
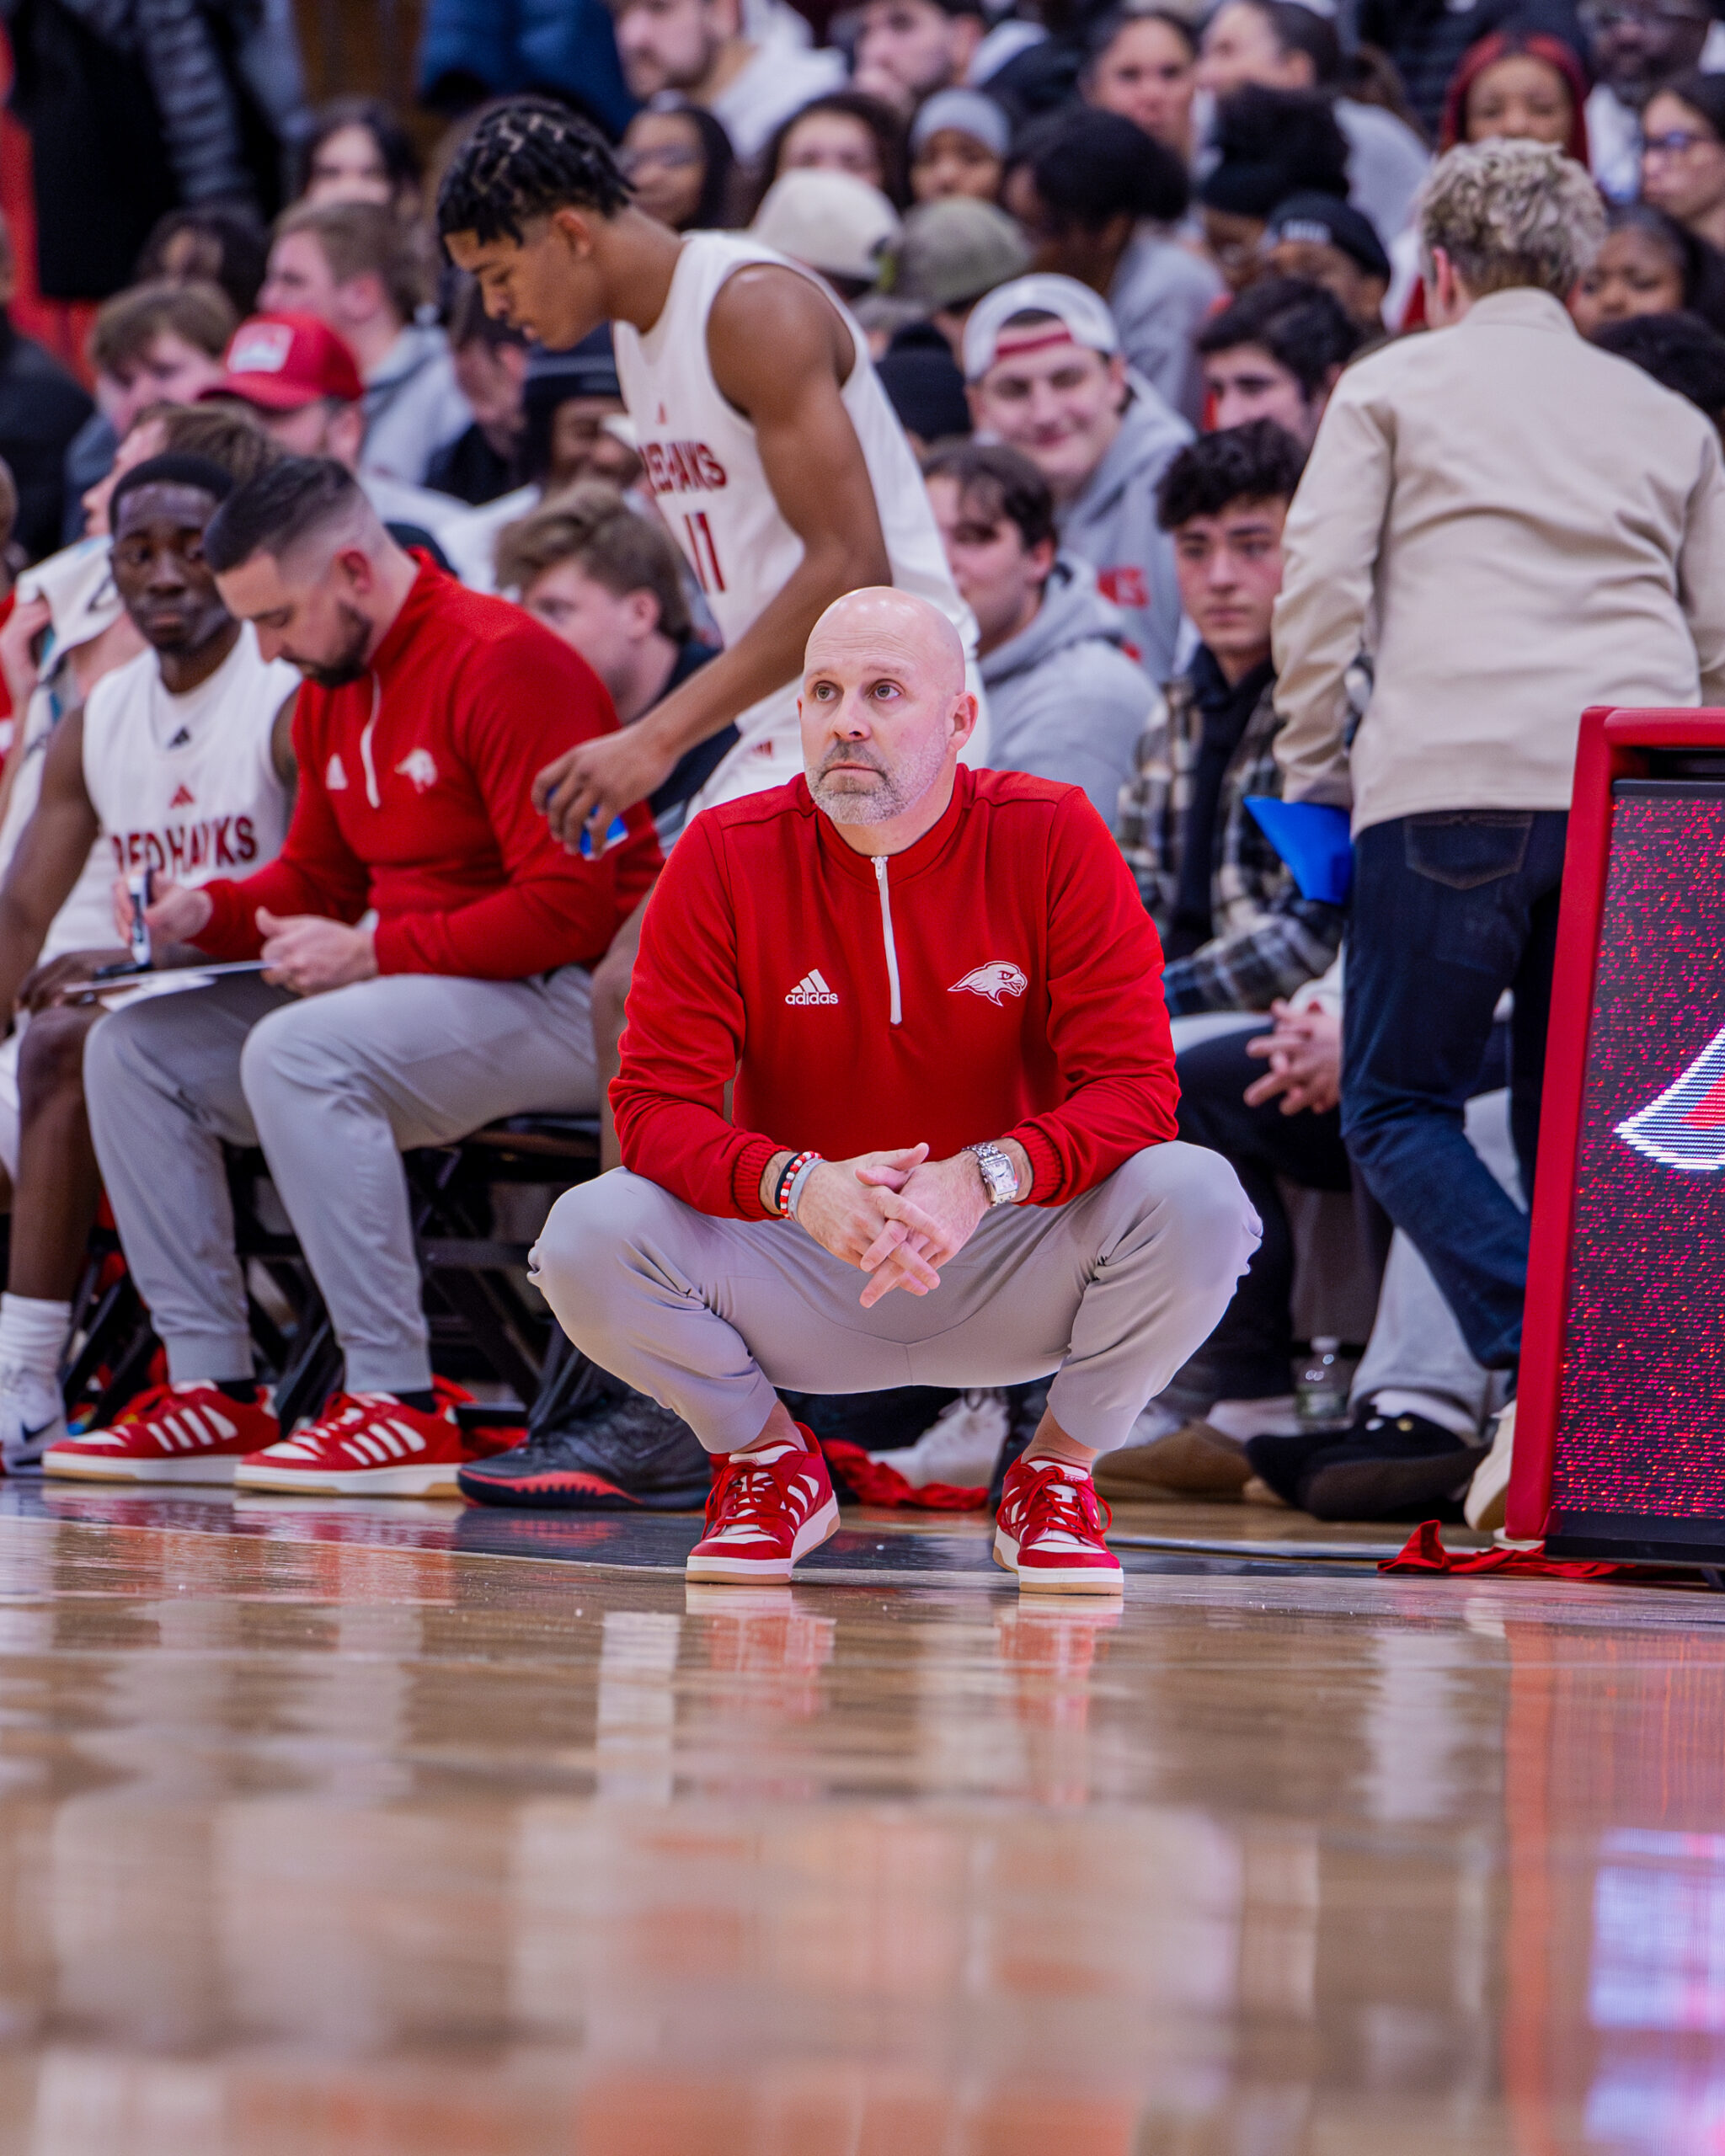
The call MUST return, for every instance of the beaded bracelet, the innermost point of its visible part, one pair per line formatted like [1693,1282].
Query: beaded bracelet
[787,1174]
[793,1196]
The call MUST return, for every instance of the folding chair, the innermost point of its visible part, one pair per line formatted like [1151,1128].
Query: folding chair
[482,1322]
[118,1341]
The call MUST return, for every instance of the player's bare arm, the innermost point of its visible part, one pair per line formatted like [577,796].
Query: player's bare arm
[282,755]
[51,851]
[781,354]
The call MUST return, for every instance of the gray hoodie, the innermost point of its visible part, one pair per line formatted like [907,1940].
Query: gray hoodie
[413,405]
[1063,701]
[1112,525]
[1159,296]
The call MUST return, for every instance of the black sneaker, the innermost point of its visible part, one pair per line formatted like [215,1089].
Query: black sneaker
[1391,1467]
[879,1422]
[626,1454]
[1284,1461]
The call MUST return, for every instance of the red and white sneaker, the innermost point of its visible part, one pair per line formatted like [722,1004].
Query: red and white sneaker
[171,1433]
[370,1444]
[766,1509]
[1049,1530]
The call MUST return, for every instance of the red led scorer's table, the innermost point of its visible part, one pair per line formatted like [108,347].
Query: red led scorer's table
[1620,1440]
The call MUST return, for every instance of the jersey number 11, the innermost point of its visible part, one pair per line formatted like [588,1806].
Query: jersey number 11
[702,553]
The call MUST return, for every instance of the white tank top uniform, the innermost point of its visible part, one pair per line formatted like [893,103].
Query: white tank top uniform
[183,784]
[187,784]
[704,467]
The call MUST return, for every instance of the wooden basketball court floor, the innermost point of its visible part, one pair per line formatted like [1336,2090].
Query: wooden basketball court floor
[407,1831]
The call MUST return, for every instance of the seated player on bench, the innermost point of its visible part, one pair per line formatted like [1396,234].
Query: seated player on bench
[181,756]
[426,710]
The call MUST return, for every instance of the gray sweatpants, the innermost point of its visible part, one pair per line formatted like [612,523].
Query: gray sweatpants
[332,1087]
[1114,1291]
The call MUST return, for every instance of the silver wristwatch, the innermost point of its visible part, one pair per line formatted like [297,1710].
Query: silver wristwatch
[997,1174]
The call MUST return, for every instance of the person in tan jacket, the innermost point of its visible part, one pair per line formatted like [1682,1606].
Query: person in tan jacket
[1506,526]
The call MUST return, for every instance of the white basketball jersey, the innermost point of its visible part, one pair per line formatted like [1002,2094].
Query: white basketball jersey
[186,785]
[704,467]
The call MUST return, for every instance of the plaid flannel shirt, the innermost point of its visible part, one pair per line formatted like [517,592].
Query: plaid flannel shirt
[1269,940]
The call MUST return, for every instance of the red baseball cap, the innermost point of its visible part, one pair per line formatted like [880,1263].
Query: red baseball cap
[283,361]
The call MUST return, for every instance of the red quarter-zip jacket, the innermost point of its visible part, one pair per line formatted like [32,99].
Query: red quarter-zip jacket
[999,979]
[415,796]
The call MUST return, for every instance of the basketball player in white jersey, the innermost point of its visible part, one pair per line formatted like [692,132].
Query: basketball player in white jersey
[181,761]
[774,457]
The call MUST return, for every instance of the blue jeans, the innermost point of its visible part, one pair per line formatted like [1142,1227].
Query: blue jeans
[1448,911]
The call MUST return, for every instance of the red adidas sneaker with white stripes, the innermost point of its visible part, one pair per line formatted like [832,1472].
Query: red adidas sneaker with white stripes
[766,1509]
[1049,1530]
[369,1445]
[171,1433]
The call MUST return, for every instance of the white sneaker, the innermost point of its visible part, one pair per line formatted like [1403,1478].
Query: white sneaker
[960,1446]
[32,1417]
[1488,1493]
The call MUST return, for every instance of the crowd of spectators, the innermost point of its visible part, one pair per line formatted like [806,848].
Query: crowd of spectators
[1292,391]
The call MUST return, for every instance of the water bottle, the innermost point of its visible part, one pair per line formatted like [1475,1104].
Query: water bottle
[615,836]
[1320,1388]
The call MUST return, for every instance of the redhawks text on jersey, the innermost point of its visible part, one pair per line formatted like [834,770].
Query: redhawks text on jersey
[682,467]
[183,849]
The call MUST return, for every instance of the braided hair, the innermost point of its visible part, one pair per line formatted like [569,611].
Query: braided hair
[525,159]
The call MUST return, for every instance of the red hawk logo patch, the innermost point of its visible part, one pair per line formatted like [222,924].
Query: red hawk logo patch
[994,980]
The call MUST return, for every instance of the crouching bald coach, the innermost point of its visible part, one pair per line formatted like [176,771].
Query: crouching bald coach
[952,1161]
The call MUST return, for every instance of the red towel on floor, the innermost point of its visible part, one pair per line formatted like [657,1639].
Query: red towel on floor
[872,1483]
[1423,1551]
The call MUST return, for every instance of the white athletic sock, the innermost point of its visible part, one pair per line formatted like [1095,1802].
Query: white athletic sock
[1035,1459]
[33,1335]
[795,1443]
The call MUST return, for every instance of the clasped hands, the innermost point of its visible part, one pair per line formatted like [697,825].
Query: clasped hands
[304,951]
[1304,1057]
[899,1216]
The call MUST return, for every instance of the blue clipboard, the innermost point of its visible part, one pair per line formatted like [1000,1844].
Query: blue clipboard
[1315,842]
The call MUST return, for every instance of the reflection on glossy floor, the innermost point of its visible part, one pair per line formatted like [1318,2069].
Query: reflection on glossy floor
[382,1846]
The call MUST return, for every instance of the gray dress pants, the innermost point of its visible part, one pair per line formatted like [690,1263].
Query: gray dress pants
[1113,1291]
[332,1087]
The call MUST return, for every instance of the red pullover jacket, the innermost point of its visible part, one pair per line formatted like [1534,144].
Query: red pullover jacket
[415,796]
[1000,979]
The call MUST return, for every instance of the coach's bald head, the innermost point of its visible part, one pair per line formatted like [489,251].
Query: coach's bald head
[885,712]
[896,623]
